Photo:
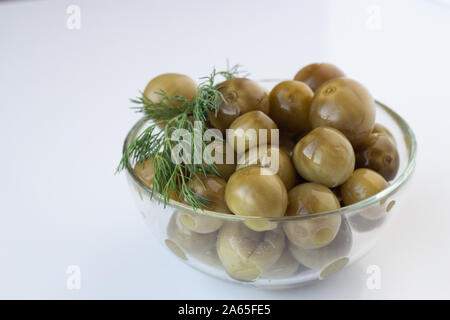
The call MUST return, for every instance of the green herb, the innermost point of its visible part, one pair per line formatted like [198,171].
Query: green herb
[171,113]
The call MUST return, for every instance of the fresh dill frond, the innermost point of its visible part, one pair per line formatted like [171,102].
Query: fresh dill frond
[233,72]
[163,110]
[171,180]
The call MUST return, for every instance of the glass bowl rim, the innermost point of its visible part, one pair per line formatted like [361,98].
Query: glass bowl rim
[390,190]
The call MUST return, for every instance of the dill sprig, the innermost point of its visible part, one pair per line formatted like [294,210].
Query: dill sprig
[171,180]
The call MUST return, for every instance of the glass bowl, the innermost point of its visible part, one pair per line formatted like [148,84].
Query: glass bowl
[280,252]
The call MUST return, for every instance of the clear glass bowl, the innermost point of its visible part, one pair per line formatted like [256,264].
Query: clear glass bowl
[268,259]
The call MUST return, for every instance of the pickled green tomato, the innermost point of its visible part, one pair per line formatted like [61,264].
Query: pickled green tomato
[241,96]
[346,105]
[324,156]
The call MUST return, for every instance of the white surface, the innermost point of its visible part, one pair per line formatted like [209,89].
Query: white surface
[64,113]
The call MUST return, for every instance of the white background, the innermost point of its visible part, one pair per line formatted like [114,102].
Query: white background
[64,112]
